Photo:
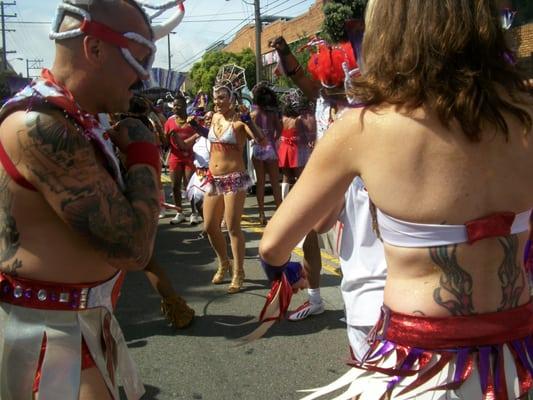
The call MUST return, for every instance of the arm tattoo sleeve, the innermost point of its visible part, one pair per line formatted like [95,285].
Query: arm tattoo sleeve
[455,286]
[120,225]
[9,235]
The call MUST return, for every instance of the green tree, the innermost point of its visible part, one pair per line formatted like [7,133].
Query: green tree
[336,13]
[204,72]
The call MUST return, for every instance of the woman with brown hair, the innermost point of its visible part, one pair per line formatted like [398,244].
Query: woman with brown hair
[265,158]
[447,121]
[227,176]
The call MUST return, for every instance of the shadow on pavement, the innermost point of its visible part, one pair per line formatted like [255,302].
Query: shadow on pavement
[151,393]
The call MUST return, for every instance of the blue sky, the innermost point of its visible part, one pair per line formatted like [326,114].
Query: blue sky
[205,22]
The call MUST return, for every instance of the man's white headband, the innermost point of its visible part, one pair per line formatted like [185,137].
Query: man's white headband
[121,40]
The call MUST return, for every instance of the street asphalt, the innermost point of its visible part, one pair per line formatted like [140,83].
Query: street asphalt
[202,362]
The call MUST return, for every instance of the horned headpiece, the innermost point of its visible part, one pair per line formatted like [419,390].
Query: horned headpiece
[232,77]
[122,40]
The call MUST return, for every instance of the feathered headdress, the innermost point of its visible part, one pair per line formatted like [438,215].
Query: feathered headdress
[326,65]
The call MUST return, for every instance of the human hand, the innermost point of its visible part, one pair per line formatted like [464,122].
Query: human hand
[261,141]
[128,131]
[279,44]
[301,283]
[246,117]
[191,120]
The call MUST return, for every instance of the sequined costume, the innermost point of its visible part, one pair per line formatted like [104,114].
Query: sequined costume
[65,316]
[479,356]
[265,121]
[485,356]
[233,182]
[228,183]
[50,331]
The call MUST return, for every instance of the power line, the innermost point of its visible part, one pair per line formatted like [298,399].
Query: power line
[199,54]
[266,8]
[27,33]
[288,8]
[32,65]
[3,17]
[184,21]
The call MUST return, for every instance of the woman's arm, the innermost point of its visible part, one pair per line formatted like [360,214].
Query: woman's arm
[320,189]
[182,144]
[329,220]
[199,129]
[279,127]
[252,131]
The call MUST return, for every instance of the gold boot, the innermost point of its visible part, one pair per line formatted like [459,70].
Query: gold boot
[224,267]
[236,282]
[176,311]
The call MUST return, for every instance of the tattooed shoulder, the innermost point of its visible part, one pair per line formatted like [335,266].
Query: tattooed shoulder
[54,131]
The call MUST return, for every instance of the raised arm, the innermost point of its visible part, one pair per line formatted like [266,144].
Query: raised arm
[199,129]
[292,68]
[63,166]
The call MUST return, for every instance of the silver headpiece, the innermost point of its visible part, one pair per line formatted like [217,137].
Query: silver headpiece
[231,77]
[293,98]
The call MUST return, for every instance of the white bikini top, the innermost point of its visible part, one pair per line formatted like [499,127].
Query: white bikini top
[409,234]
[227,137]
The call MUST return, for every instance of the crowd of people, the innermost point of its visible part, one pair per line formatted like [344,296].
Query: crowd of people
[418,133]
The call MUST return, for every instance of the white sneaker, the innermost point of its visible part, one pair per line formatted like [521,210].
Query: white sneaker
[305,310]
[193,219]
[162,213]
[177,219]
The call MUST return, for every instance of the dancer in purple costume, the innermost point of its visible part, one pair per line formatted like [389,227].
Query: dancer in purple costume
[265,158]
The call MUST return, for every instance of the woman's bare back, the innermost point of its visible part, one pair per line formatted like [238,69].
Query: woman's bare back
[417,170]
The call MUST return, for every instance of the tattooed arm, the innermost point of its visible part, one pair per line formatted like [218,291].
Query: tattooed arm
[63,166]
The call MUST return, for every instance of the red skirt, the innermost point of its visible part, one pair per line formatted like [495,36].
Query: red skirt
[288,153]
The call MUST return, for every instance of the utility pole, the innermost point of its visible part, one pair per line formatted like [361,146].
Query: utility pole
[33,64]
[3,17]
[169,56]
[168,50]
[258,29]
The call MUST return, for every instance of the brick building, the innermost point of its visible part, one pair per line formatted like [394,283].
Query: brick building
[310,23]
[523,43]
[302,26]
